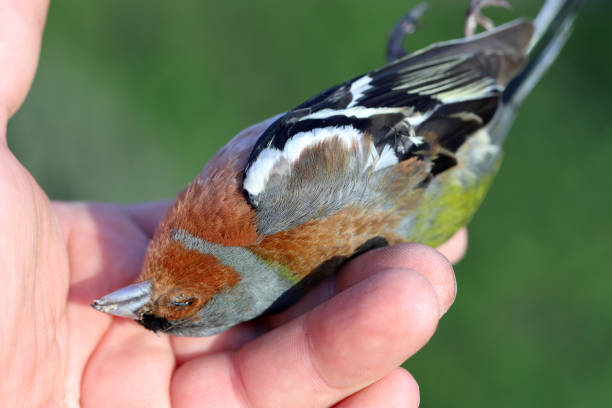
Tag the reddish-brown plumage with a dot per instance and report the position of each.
(213, 207)
(178, 273)
(401, 186)
(306, 247)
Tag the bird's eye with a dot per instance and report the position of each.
(181, 301)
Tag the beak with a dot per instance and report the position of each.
(126, 301)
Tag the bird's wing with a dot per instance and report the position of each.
(320, 156)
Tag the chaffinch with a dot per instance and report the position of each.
(402, 153)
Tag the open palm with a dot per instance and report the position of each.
(342, 344)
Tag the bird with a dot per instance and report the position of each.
(404, 153)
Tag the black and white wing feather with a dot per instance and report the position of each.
(438, 96)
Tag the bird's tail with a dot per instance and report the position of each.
(553, 25)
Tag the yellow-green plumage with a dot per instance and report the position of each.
(450, 208)
(453, 196)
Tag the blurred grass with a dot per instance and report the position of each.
(132, 98)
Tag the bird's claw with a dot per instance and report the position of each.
(404, 27)
(475, 17)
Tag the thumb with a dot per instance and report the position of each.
(21, 27)
(33, 259)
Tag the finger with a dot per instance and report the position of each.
(454, 249)
(420, 258)
(129, 368)
(345, 344)
(148, 215)
(188, 348)
(21, 26)
(105, 248)
(342, 346)
(398, 389)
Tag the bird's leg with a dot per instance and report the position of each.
(475, 18)
(404, 27)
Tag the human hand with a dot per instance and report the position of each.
(343, 342)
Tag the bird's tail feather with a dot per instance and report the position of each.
(553, 25)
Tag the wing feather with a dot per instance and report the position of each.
(422, 107)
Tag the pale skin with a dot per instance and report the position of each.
(342, 345)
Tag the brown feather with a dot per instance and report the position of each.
(213, 207)
(306, 247)
(187, 274)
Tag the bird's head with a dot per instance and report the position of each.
(191, 282)
(175, 285)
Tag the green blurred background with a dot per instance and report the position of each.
(133, 97)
